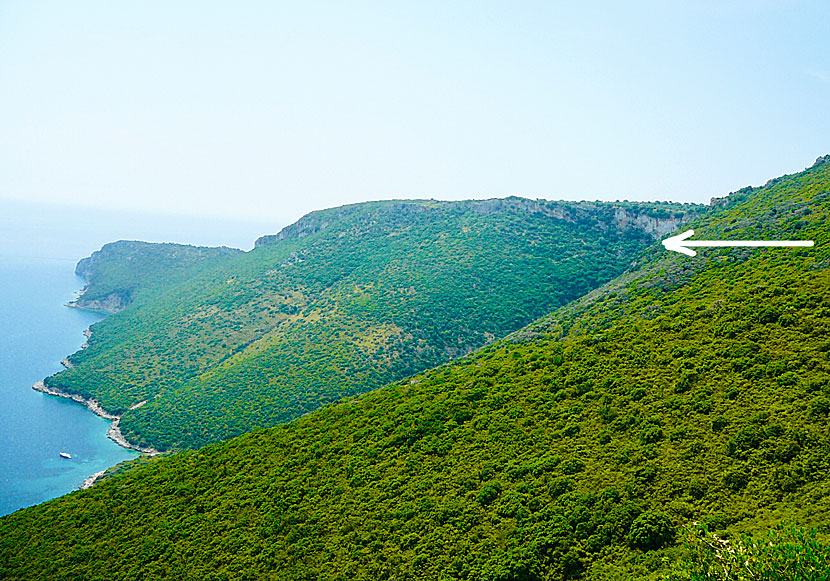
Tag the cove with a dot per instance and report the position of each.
(37, 332)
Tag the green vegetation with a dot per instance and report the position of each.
(343, 302)
(123, 269)
(689, 390)
(783, 554)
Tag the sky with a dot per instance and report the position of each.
(32, 231)
(264, 110)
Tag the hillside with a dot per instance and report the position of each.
(340, 303)
(688, 389)
(120, 270)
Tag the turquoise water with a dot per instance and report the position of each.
(37, 332)
(39, 246)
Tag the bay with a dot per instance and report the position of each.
(39, 247)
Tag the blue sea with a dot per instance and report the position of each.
(38, 330)
(39, 248)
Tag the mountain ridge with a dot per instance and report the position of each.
(343, 301)
(318, 220)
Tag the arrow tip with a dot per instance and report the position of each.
(675, 243)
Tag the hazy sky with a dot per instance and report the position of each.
(267, 110)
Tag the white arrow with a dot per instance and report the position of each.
(680, 244)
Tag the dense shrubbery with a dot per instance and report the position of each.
(651, 530)
(574, 449)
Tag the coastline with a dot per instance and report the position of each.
(91, 480)
(91, 404)
(114, 432)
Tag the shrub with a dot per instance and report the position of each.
(489, 491)
(645, 474)
(560, 486)
(651, 530)
(651, 434)
(697, 489)
(573, 466)
(820, 407)
(736, 479)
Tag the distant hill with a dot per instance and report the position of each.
(121, 269)
(686, 390)
(212, 343)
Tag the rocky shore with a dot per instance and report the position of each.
(91, 404)
(114, 431)
(92, 480)
(114, 434)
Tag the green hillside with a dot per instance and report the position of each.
(341, 303)
(122, 270)
(691, 389)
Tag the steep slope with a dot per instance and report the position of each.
(340, 303)
(691, 389)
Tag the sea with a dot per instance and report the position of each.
(39, 247)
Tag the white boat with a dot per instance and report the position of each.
(65, 455)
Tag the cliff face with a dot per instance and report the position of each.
(657, 227)
(109, 303)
